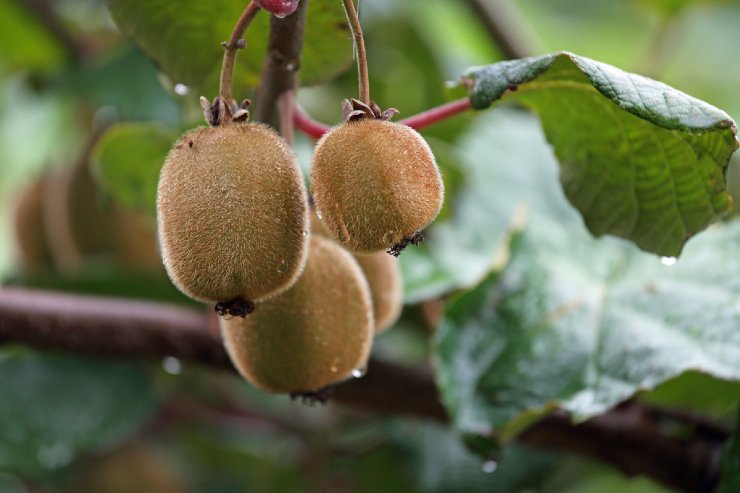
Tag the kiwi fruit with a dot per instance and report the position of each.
(375, 183)
(383, 277)
(232, 214)
(80, 227)
(315, 334)
(138, 467)
(32, 249)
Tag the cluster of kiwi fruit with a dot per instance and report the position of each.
(298, 309)
(300, 294)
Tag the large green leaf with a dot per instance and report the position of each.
(582, 323)
(127, 160)
(52, 407)
(639, 159)
(184, 38)
(461, 249)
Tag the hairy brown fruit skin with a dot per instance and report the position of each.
(375, 183)
(232, 214)
(313, 335)
(384, 278)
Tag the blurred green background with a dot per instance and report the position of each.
(81, 425)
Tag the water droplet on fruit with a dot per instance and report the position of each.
(359, 372)
(388, 237)
(283, 267)
(181, 89)
(489, 466)
(335, 365)
(668, 261)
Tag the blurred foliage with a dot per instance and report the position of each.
(78, 95)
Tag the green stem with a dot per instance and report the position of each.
(231, 48)
(354, 24)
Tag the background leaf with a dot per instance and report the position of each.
(583, 323)
(184, 38)
(639, 159)
(54, 406)
(127, 160)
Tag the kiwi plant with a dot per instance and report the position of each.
(298, 314)
(317, 333)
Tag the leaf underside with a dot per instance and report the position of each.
(638, 159)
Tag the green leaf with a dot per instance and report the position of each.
(461, 249)
(581, 323)
(639, 159)
(53, 407)
(184, 38)
(127, 160)
(731, 463)
(25, 43)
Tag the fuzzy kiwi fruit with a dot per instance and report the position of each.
(80, 227)
(232, 214)
(375, 184)
(32, 248)
(383, 276)
(315, 334)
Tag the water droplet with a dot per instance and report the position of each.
(335, 365)
(181, 89)
(291, 67)
(489, 466)
(359, 372)
(172, 365)
(668, 261)
(304, 233)
(388, 237)
(283, 267)
(318, 213)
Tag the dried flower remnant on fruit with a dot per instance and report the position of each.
(313, 335)
(232, 214)
(375, 183)
(321, 396)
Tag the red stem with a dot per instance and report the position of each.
(316, 129)
(438, 114)
(308, 125)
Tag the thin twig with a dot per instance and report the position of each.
(356, 27)
(282, 63)
(438, 114)
(231, 49)
(303, 122)
(316, 129)
(629, 437)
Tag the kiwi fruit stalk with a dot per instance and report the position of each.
(383, 276)
(375, 183)
(316, 334)
(231, 213)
